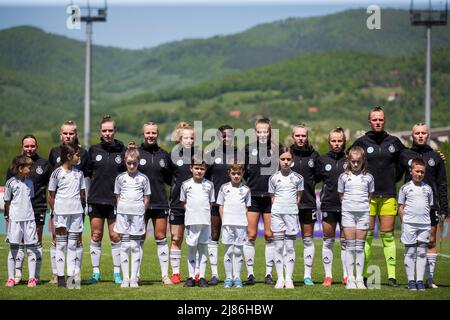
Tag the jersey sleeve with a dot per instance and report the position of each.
(147, 188)
(341, 183)
(82, 181)
(30, 185)
(183, 193)
(272, 185)
(371, 184)
(220, 196)
(248, 199)
(212, 197)
(8, 191)
(300, 184)
(401, 195)
(441, 182)
(117, 185)
(53, 183)
(430, 196)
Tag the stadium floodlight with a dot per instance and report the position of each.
(89, 14)
(428, 13)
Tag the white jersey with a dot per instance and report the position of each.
(19, 193)
(285, 189)
(67, 186)
(417, 201)
(131, 191)
(235, 201)
(356, 190)
(198, 198)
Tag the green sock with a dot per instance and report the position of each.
(368, 251)
(389, 252)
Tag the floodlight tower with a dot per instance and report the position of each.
(428, 16)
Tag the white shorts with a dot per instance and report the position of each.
(412, 233)
(355, 219)
(22, 230)
(287, 223)
(198, 234)
(131, 224)
(72, 222)
(236, 235)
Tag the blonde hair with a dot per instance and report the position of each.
(377, 108)
(357, 150)
(132, 153)
(338, 130)
(301, 125)
(150, 123)
(69, 123)
(178, 132)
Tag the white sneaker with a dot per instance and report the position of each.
(134, 283)
(17, 278)
(125, 283)
(77, 277)
(360, 283)
(279, 284)
(289, 284)
(54, 279)
(351, 283)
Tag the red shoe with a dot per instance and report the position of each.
(32, 282)
(327, 282)
(10, 283)
(197, 277)
(176, 278)
(344, 281)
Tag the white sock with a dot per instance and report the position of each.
(115, 251)
(228, 261)
(141, 252)
(308, 255)
(431, 265)
(79, 259)
(278, 239)
(135, 257)
(19, 259)
(32, 257)
(61, 245)
(72, 254)
(421, 261)
(360, 256)
(327, 256)
(175, 258)
(192, 252)
(270, 256)
(38, 246)
(203, 255)
(410, 257)
(289, 259)
(125, 247)
(53, 258)
(197, 263)
(96, 253)
(249, 254)
(238, 261)
(12, 255)
(163, 256)
(343, 246)
(213, 252)
(350, 254)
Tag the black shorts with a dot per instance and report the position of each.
(331, 216)
(307, 216)
(39, 217)
(156, 214)
(434, 217)
(215, 210)
(261, 205)
(104, 211)
(176, 216)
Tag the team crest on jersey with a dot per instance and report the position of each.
(311, 163)
(431, 163)
(218, 160)
(391, 148)
(180, 163)
(328, 167)
(118, 159)
(142, 162)
(325, 214)
(254, 152)
(409, 162)
(39, 170)
(58, 160)
(99, 157)
(206, 187)
(162, 164)
(369, 149)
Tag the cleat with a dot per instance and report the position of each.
(117, 278)
(289, 284)
(392, 282)
(202, 283)
(360, 284)
(237, 283)
(268, 279)
(411, 285)
(344, 281)
(430, 285)
(77, 277)
(308, 281)
(10, 283)
(134, 283)
(54, 279)
(17, 278)
(95, 278)
(214, 281)
(279, 284)
(197, 277)
(251, 280)
(125, 283)
(165, 280)
(365, 281)
(351, 283)
(228, 283)
(61, 282)
(420, 286)
(190, 282)
(176, 278)
(327, 282)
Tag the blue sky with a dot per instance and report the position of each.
(136, 24)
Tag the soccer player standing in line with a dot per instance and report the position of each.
(436, 178)
(382, 151)
(105, 163)
(234, 198)
(132, 190)
(306, 163)
(19, 215)
(217, 172)
(285, 188)
(415, 199)
(40, 175)
(355, 187)
(196, 195)
(332, 164)
(67, 200)
(68, 133)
